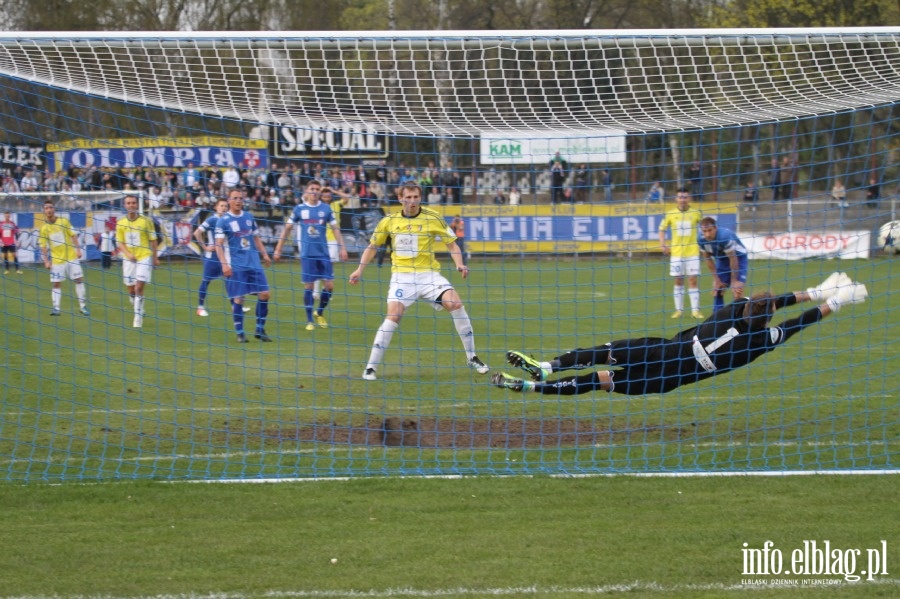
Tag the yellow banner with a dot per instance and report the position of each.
(158, 142)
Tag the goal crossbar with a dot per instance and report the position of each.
(466, 83)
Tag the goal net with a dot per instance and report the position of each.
(559, 152)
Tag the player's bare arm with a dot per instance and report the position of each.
(262, 251)
(364, 260)
(288, 226)
(457, 257)
(220, 252)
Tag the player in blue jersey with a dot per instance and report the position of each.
(313, 218)
(239, 249)
(726, 258)
(212, 268)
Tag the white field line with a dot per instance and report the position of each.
(323, 448)
(530, 591)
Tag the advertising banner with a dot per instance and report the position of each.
(809, 244)
(540, 147)
(161, 152)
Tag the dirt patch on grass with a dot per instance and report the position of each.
(477, 433)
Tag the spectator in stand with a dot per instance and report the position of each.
(155, 200)
(751, 195)
(499, 198)
(305, 176)
(582, 187)
(695, 176)
(231, 179)
(568, 195)
(775, 180)
(273, 203)
(514, 196)
(559, 170)
(839, 194)
(95, 180)
(873, 193)
(656, 194)
(787, 178)
(106, 241)
(30, 183)
(434, 197)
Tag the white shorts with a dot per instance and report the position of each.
(407, 287)
(334, 251)
(681, 267)
(137, 271)
(71, 270)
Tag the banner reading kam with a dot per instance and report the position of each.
(159, 152)
(540, 147)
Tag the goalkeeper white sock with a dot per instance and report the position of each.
(382, 341)
(81, 293)
(463, 325)
(679, 297)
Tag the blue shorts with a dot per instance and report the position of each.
(212, 269)
(246, 282)
(723, 270)
(316, 269)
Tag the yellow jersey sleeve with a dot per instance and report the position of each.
(137, 236)
(57, 239)
(683, 227)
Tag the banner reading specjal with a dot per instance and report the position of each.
(846, 245)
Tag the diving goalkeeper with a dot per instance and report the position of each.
(732, 337)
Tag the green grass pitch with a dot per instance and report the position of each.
(92, 400)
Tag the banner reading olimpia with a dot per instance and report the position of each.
(158, 152)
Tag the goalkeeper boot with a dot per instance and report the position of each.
(506, 381)
(477, 365)
(529, 365)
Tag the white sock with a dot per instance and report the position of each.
(56, 297)
(694, 295)
(464, 327)
(138, 305)
(679, 297)
(81, 293)
(381, 343)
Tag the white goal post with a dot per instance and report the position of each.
(464, 83)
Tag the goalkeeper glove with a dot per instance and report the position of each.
(830, 286)
(852, 294)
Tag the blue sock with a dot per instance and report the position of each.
(237, 313)
(204, 285)
(719, 300)
(308, 303)
(323, 300)
(262, 310)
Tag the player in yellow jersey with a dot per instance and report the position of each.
(684, 251)
(62, 257)
(136, 240)
(413, 233)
